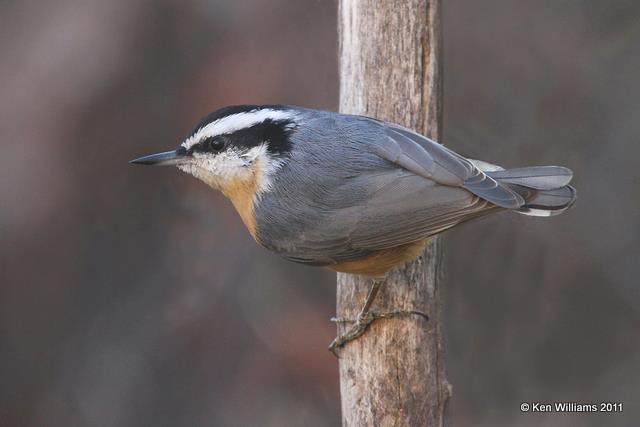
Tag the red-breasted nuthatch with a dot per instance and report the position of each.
(351, 193)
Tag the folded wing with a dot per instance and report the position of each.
(431, 160)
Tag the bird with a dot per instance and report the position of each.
(351, 193)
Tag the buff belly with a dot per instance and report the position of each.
(380, 262)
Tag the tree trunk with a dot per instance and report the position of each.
(390, 62)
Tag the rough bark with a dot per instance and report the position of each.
(390, 69)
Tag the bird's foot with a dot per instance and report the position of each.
(362, 322)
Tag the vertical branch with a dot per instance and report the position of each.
(390, 69)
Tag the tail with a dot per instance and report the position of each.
(545, 189)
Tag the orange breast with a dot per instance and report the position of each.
(242, 193)
(242, 199)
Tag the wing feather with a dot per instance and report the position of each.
(444, 166)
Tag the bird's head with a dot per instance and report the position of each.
(234, 147)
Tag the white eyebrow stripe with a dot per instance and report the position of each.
(235, 122)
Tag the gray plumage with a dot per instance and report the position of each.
(354, 185)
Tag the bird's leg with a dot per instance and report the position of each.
(363, 320)
(366, 317)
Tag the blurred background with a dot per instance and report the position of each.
(135, 297)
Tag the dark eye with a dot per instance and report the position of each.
(213, 144)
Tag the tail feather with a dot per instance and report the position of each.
(547, 202)
(545, 189)
(538, 177)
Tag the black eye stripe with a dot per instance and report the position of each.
(211, 144)
(274, 134)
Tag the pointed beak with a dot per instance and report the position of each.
(168, 158)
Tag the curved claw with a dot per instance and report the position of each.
(362, 323)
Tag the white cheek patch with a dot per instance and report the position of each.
(217, 170)
(221, 170)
